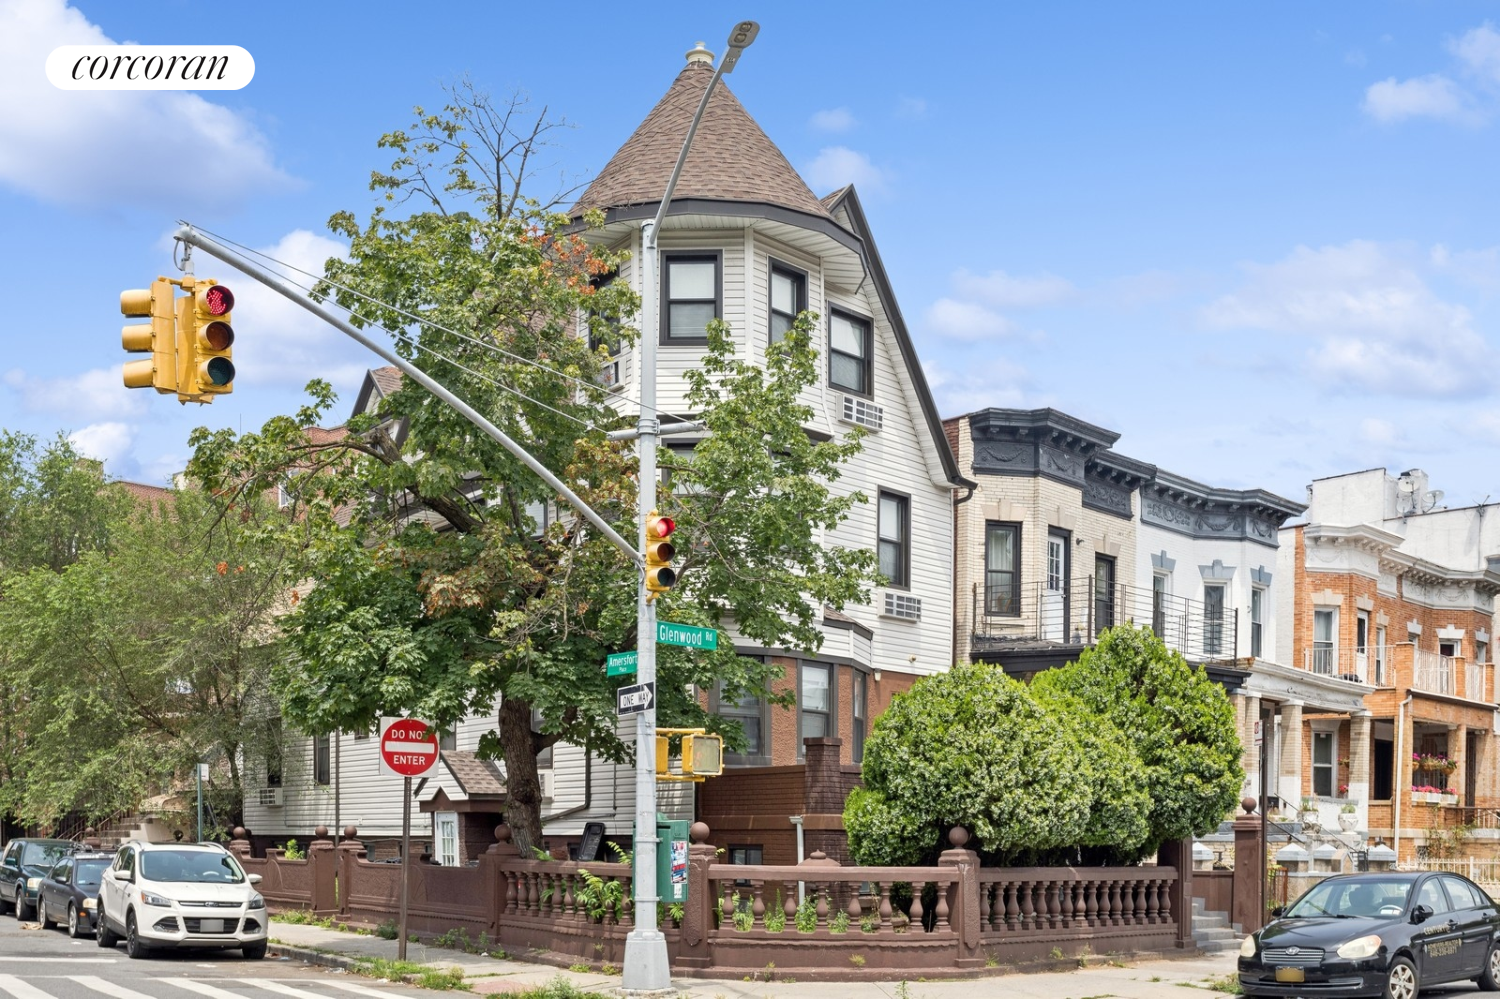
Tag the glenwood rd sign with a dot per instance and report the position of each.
(408, 747)
(686, 635)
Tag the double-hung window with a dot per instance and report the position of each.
(692, 293)
(850, 347)
(1002, 570)
(604, 333)
(788, 299)
(1380, 655)
(322, 760)
(1324, 659)
(859, 701)
(1322, 764)
(1257, 621)
(816, 702)
(750, 712)
(895, 538)
(1213, 619)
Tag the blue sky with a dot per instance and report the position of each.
(1259, 240)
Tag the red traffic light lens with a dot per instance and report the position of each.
(661, 527)
(218, 300)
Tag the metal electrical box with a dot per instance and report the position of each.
(671, 860)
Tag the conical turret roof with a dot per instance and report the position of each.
(732, 159)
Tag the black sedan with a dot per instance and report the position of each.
(1383, 935)
(23, 865)
(70, 892)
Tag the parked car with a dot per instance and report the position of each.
(70, 892)
(180, 895)
(23, 865)
(1389, 935)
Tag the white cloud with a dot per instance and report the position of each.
(96, 394)
(1433, 96)
(1373, 321)
(961, 320)
(1478, 49)
(1373, 430)
(833, 120)
(836, 166)
(1009, 291)
(153, 148)
(993, 383)
(1479, 268)
(1354, 57)
(106, 442)
(279, 341)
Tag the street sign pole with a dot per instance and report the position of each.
(405, 864)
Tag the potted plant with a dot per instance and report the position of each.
(1308, 814)
(1348, 816)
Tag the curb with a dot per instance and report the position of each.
(311, 956)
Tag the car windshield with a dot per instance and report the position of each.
(90, 872)
(196, 866)
(43, 854)
(1354, 899)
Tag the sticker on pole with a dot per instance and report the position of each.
(408, 748)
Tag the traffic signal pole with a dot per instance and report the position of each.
(190, 236)
(647, 969)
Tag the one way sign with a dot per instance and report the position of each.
(637, 697)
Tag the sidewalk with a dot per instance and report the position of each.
(1146, 980)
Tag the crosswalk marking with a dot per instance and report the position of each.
(358, 990)
(20, 990)
(281, 989)
(201, 988)
(108, 988)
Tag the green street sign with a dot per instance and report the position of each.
(686, 635)
(619, 664)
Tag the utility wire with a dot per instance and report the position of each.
(483, 344)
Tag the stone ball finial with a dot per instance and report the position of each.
(1248, 804)
(502, 833)
(241, 833)
(88, 832)
(321, 832)
(350, 832)
(698, 832)
(958, 836)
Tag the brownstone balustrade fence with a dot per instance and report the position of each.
(815, 920)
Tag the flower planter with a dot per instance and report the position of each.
(1347, 820)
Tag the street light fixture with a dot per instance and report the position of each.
(647, 969)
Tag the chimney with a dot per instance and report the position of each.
(698, 53)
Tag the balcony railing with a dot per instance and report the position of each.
(1361, 664)
(1439, 674)
(1078, 613)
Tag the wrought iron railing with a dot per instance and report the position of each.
(1078, 612)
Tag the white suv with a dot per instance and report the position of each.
(180, 895)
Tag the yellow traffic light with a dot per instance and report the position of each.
(158, 337)
(660, 576)
(205, 340)
(702, 755)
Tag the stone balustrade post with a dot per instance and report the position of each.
(1248, 893)
(324, 868)
(239, 843)
(698, 914)
(963, 898)
(349, 850)
(494, 877)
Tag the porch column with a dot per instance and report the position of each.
(1458, 749)
(1359, 764)
(1248, 706)
(1289, 781)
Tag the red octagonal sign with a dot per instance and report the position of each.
(409, 747)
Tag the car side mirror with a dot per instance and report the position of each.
(1421, 914)
(119, 875)
(253, 878)
(1276, 912)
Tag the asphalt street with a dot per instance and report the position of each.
(45, 964)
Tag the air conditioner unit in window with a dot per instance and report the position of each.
(862, 413)
(270, 797)
(548, 783)
(901, 606)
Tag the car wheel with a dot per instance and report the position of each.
(41, 915)
(1401, 980)
(254, 952)
(136, 950)
(104, 936)
(1490, 979)
(73, 930)
(23, 911)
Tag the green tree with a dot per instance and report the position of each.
(439, 589)
(134, 663)
(1179, 722)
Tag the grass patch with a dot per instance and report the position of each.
(558, 988)
(418, 974)
(304, 917)
(1227, 984)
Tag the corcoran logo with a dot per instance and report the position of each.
(150, 67)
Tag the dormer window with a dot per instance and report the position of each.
(692, 296)
(788, 299)
(850, 348)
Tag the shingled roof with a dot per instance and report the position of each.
(731, 158)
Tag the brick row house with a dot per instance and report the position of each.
(1395, 593)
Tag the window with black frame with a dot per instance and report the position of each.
(850, 347)
(815, 702)
(1002, 570)
(859, 704)
(788, 299)
(895, 538)
(322, 760)
(604, 332)
(690, 289)
(750, 712)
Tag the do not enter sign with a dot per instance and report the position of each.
(408, 748)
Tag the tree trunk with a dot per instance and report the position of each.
(523, 789)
